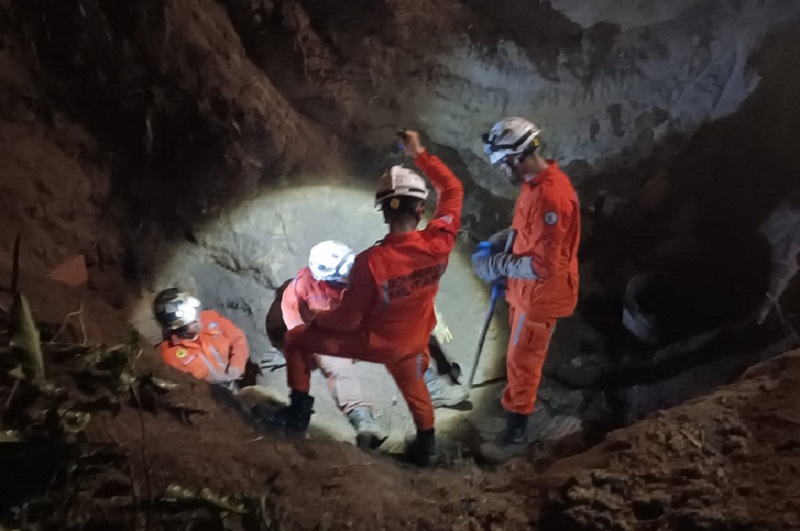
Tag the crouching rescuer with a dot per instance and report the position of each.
(541, 269)
(201, 342)
(387, 314)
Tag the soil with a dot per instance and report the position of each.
(726, 461)
(136, 446)
(729, 460)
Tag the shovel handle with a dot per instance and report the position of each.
(488, 320)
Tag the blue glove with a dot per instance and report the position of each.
(484, 249)
(494, 267)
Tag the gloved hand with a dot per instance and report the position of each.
(492, 268)
(484, 249)
(498, 240)
(442, 333)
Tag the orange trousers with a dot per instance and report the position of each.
(407, 370)
(527, 350)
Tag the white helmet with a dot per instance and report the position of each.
(510, 136)
(330, 260)
(175, 309)
(400, 182)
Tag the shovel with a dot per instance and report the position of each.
(497, 290)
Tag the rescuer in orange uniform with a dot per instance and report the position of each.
(387, 314)
(541, 270)
(202, 343)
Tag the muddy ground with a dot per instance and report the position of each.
(129, 444)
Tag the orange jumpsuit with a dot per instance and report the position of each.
(548, 226)
(386, 316)
(320, 296)
(219, 344)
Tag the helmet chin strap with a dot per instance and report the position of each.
(512, 164)
(511, 172)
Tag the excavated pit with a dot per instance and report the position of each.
(211, 144)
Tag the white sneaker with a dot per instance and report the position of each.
(442, 394)
(368, 431)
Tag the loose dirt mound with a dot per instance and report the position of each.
(727, 461)
(118, 441)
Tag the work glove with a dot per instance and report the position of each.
(493, 268)
(441, 332)
(485, 249)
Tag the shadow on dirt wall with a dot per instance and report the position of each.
(697, 229)
(103, 63)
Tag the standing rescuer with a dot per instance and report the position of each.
(200, 342)
(387, 314)
(541, 269)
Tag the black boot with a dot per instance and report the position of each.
(298, 414)
(422, 450)
(511, 442)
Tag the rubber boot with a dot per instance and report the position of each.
(422, 450)
(368, 433)
(511, 442)
(298, 414)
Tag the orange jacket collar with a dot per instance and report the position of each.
(176, 340)
(545, 173)
(401, 238)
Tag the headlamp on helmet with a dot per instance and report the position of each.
(174, 309)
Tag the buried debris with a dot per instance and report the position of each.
(177, 494)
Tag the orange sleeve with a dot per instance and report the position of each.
(290, 306)
(168, 354)
(449, 190)
(551, 220)
(237, 340)
(356, 301)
